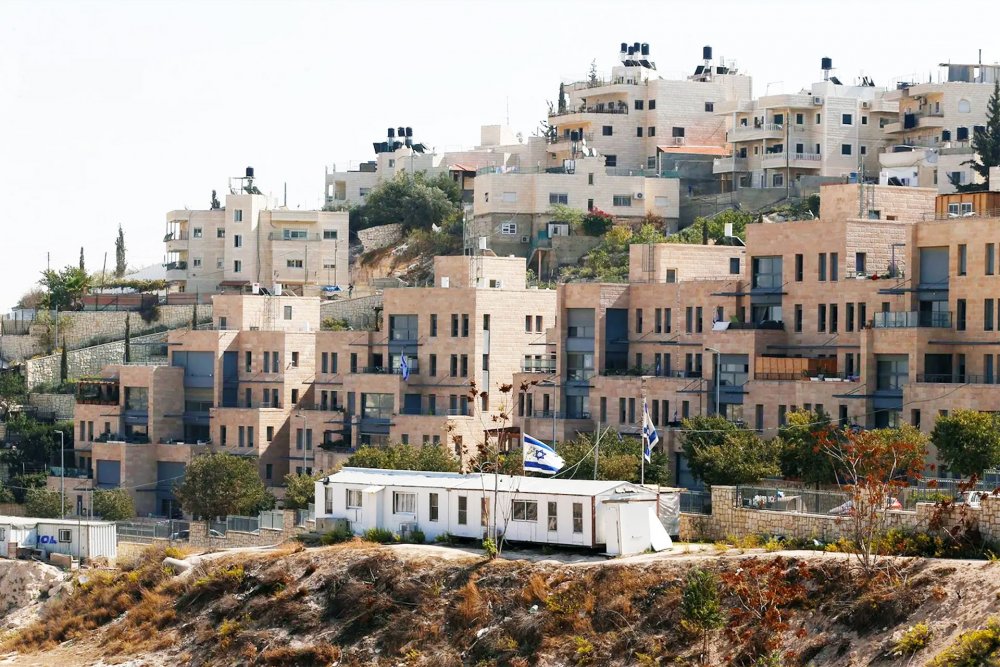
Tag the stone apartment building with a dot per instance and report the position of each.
(829, 130)
(878, 313)
(931, 139)
(266, 383)
(248, 242)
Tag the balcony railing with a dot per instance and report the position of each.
(538, 367)
(78, 473)
(176, 266)
(385, 370)
(903, 320)
(587, 136)
(773, 325)
(175, 236)
(954, 378)
(600, 108)
(120, 437)
(807, 376)
(555, 414)
(581, 374)
(278, 236)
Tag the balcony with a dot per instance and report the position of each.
(915, 121)
(620, 109)
(912, 319)
(279, 236)
(176, 241)
(552, 414)
(756, 132)
(97, 392)
(580, 374)
(954, 378)
(122, 438)
(539, 366)
(793, 160)
(76, 473)
(563, 139)
(726, 165)
(385, 370)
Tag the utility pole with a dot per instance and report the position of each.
(62, 474)
(597, 448)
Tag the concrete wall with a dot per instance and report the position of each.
(360, 313)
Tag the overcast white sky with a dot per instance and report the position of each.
(117, 112)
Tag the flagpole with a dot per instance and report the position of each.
(642, 456)
(597, 447)
(645, 436)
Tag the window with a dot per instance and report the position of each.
(295, 359)
(465, 325)
(404, 503)
(237, 266)
(821, 318)
(606, 130)
(834, 271)
(578, 517)
(354, 498)
(800, 118)
(765, 272)
(652, 104)
(463, 510)
(777, 180)
(962, 257)
(196, 262)
(892, 371)
(734, 265)
(509, 197)
(237, 240)
(524, 510)
(638, 105)
(988, 315)
(709, 107)
(990, 259)
(621, 200)
(558, 198)
(822, 266)
(798, 318)
(638, 131)
(964, 106)
(294, 263)
(509, 228)
(638, 320)
(677, 132)
(270, 433)
(295, 396)
(833, 318)
(819, 118)
(671, 276)
(220, 232)
(553, 516)
(845, 149)
(454, 325)
(847, 119)
(64, 535)
(860, 263)
(864, 150)
(196, 233)
(329, 234)
(960, 314)
(433, 365)
(651, 132)
(238, 215)
(434, 325)
(433, 513)
(610, 160)
(288, 312)
(219, 263)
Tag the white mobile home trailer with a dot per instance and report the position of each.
(79, 539)
(619, 517)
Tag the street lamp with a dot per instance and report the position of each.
(62, 473)
(718, 367)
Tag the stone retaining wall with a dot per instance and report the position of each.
(200, 540)
(374, 238)
(360, 312)
(60, 405)
(729, 520)
(91, 360)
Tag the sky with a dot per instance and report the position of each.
(118, 112)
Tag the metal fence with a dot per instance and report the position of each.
(802, 501)
(696, 502)
(243, 524)
(144, 531)
(302, 516)
(273, 520)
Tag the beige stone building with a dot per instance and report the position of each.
(931, 139)
(248, 242)
(878, 313)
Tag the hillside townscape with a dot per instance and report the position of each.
(687, 374)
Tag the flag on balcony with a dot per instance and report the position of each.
(404, 368)
(540, 457)
(649, 434)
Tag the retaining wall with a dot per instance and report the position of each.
(60, 405)
(374, 238)
(91, 360)
(359, 312)
(729, 520)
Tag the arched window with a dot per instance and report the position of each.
(964, 106)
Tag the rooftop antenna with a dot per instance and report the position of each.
(508, 111)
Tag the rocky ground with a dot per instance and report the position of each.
(364, 604)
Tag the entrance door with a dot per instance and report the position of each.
(612, 527)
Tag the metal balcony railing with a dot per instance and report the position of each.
(909, 319)
(954, 378)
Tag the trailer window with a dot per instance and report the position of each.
(524, 510)
(354, 499)
(463, 510)
(404, 503)
(434, 507)
(553, 518)
(577, 517)
(64, 535)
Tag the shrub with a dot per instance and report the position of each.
(445, 538)
(416, 537)
(490, 547)
(973, 648)
(915, 638)
(379, 536)
(335, 536)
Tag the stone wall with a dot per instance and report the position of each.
(91, 360)
(359, 312)
(200, 540)
(59, 405)
(83, 329)
(729, 520)
(374, 238)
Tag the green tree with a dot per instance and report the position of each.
(597, 222)
(12, 391)
(128, 338)
(113, 504)
(409, 200)
(713, 228)
(618, 458)
(592, 80)
(801, 441)
(216, 485)
(562, 97)
(63, 363)
(194, 315)
(300, 490)
(986, 144)
(701, 609)
(65, 289)
(719, 452)
(608, 262)
(37, 444)
(968, 441)
(120, 264)
(83, 266)
(433, 457)
(42, 503)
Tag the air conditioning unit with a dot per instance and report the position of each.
(678, 141)
(525, 239)
(638, 195)
(818, 101)
(866, 105)
(407, 529)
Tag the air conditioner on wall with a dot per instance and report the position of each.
(638, 195)
(525, 239)
(406, 529)
(678, 141)
(818, 101)
(866, 105)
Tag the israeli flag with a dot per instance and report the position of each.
(539, 457)
(649, 434)
(404, 368)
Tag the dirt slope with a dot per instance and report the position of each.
(361, 604)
